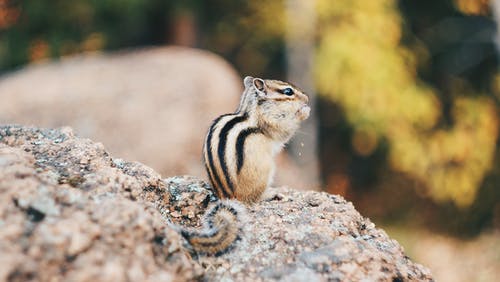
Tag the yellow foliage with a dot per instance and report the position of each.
(473, 7)
(452, 162)
(94, 42)
(266, 17)
(361, 66)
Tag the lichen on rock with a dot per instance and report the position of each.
(70, 211)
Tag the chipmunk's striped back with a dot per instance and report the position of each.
(223, 146)
(239, 147)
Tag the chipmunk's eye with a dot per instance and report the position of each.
(287, 91)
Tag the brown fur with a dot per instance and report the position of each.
(256, 172)
(274, 118)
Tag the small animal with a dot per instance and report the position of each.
(239, 153)
(240, 147)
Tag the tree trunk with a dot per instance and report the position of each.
(301, 22)
(495, 7)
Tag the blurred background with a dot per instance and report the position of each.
(406, 97)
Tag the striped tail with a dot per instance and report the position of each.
(222, 229)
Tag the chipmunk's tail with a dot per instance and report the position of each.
(221, 230)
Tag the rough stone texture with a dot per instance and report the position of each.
(151, 105)
(299, 236)
(69, 211)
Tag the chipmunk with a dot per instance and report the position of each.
(239, 148)
(239, 153)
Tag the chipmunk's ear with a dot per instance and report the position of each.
(257, 83)
(260, 86)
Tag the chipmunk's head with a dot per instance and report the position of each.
(280, 106)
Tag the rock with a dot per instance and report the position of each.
(70, 211)
(286, 240)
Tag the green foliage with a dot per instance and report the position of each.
(54, 28)
(248, 33)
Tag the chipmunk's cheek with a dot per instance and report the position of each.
(303, 112)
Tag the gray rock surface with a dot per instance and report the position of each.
(69, 211)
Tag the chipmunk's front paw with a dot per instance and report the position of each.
(304, 112)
